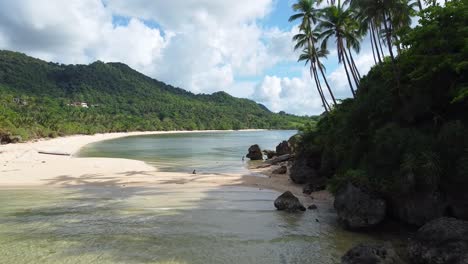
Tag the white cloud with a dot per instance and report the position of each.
(293, 95)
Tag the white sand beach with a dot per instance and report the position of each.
(22, 165)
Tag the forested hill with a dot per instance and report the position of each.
(40, 99)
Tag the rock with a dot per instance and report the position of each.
(444, 240)
(280, 170)
(301, 173)
(269, 153)
(371, 254)
(418, 208)
(255, 153)
(358, 209)
(312, 207)
(288, 202)
(283, 148)
(294, 142)
(7, 138)
(280, 159)
(310, 188)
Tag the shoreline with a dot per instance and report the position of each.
(22, 166)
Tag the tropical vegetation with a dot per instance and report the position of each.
(406, 129)
(44, 99)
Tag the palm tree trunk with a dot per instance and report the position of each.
(319, 84)
(326, 82)
(373, 49)
(312, 74)
(388, 35)
(356, 80)
(354, 64)
(373, 33)
(346, 70)
(420, 5)
(380, 43)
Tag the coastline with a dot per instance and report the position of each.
(22, 166)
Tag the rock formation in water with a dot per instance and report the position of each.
(283, 148)
(371, 254)
(444, 240)
(288, 202)
(255, 153)
(358, 209)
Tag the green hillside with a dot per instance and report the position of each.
(36, 96)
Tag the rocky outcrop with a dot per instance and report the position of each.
(269, 153)
(418, 208)
(7, 138)
(280, 170)
(359, 209)
(444, 240)
(294, 142)
(371, 254)
(288, 202)
(255, 153)
(301, 172)
(283, 148)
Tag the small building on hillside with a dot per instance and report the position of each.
(79, 104)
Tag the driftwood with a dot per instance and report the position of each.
(54, 153)
(279, 159)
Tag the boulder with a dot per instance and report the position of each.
(283, 148)
(280, 170)
(312, 207)
(255, 153)
(301, 173)
(269, 153)
(371, 254)
(418, 208)
(359, 209)
(294, 142)
(288, 202)
(444, 240)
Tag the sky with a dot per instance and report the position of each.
(242, 47)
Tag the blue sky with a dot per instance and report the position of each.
(242, 47)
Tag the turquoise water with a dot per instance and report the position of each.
(208, 152)
(149, 225)
(170, 223)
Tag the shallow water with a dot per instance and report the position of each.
(138, 225)
(170, 223)
(207, 152)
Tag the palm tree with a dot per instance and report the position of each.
(308, 55)
(306, 40)
(335, 23)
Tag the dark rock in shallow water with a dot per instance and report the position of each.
(255, 153)
(418, 208)
(444, 240)
(280, 170)
(270, 153)
(371, 254)
(312, 207)
(283, 148)
(359, 209)
(301, 173)
(288, 202)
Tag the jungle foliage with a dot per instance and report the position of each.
(407, 134)
(35, 97)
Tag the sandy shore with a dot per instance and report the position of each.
(22, 165)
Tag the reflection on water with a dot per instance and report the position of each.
(177, 225)
(210, 152)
